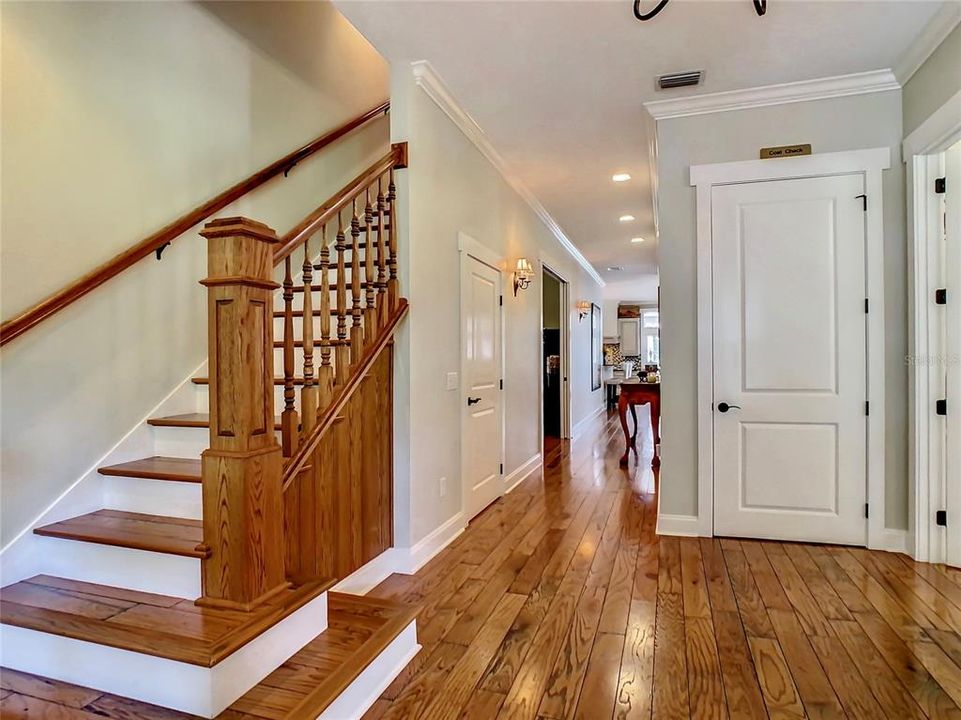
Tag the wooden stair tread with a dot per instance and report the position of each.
(158, 625)
(191, 420)
(158, 467)
(138, 531)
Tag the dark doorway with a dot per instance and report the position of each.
(552, 363)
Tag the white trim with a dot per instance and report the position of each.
(679, 525)
(423, 551)
(430, 82)
(894, 540)
(938, 132)
(374, 572)
(363, 691)
(581, 424)
(566, 317)
(522, 472)
(934, 33)
(822, 88)
(204, 691)
(868, 162)
(467, 244)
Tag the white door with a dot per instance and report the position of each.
(482, 441)
(952, 354)
(790, 359)
(630, 331)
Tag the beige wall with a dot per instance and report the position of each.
(116, 118)
(935, 81)
(451, 188)
(848, 123)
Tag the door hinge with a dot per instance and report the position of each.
(941, 518)
(502, 383)
(864, 201)
(501, 301)
(866, 306)
(867, 407)
(502, 468)
(866, 514)
(941, 296)
(939, 185)
(941, 407)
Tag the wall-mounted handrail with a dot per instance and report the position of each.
(51, 305)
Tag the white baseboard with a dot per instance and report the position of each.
(583, 422)
(521, 473)
(894, 540)
(680, 525)
(422, 552)
(357, 698)
(364, 579)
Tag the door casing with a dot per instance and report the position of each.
(565, 357)
(870, 163)
(470, 248)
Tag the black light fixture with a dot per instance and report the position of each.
(760, 6)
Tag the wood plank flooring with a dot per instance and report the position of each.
(559, 601)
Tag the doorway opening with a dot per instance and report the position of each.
(554, 320)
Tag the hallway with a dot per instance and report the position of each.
(559, 601)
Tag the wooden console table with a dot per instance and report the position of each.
(633, 393)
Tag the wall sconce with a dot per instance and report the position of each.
(523, 274)
(583, 309)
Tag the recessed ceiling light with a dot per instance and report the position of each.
(637, 240)
(615, 268)
(626, 218)
(621, 177)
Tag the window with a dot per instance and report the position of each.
(650, 337)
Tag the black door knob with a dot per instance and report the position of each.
(473, 401)
(724, 407)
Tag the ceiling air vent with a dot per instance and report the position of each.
(679, 79)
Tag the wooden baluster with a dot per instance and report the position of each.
(381, 254)
(342, 353)
(392, 290)
(326, 371)
(243, 522)
(308, 394)
(288, 419)
(370, 317)
(356, 330)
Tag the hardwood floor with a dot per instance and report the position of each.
(559, 601)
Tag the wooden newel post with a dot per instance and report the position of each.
(242, 490)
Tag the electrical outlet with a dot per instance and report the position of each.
(443, 487)
(452, 381)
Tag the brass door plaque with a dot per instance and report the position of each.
(782, 151)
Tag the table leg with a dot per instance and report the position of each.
(655, 428)
(634, 434)
(622, 412)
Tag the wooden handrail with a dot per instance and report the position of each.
(397, 157)
(299, 459)
(53, 304)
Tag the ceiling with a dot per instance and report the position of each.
(559, 87)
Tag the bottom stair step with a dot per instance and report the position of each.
(367, 642)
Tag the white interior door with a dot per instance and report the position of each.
(482, 441)
(790, 359)
(952, 355)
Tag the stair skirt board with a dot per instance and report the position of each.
(358, 697)
(169, 683)
(144, 570)
(176, 499)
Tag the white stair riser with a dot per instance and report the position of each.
(119, 566)
(203, 392)
(156, 497)
(184, 442)
(189, 688)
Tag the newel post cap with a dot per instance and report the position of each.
(239, 227)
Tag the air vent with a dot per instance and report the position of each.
(680, 79)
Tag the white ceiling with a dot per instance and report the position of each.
(559, 87)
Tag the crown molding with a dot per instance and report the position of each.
(801, 91)
(429, 81)
(934, 33)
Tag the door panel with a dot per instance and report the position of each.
(482, 441)
(789, 355)
(952, 347)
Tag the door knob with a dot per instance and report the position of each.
(472, 401)
(724, 407)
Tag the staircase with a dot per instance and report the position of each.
(207, 568)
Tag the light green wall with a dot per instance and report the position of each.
(848, 123)
(938, 79)
(552, 303)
